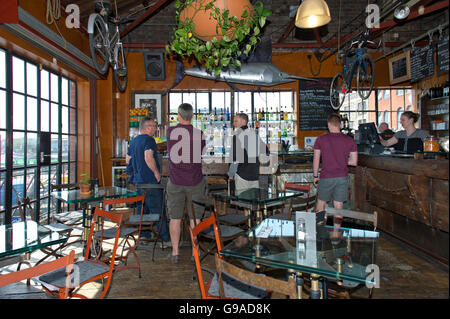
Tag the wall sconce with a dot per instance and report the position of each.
(312, 14)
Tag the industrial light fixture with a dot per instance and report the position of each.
(401, 12)
(312, 14)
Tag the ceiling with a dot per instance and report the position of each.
(152, 23)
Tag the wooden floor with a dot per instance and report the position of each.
(405, 274)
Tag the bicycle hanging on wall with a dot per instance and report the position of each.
(361, 64)
(105, 44)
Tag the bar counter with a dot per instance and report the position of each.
(410, 196)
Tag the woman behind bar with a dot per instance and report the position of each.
(409, 140)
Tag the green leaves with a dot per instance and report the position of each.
(239, 35)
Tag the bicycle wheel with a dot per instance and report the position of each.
(365, 76)
(98, 43)
(337, 91)
(120, 68)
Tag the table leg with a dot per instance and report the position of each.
(300, 282)
(315, 291)
(323, 285)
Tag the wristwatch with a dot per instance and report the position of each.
(316, 176)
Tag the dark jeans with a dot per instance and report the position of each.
(154, 204)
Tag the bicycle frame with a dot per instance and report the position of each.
(350, 73)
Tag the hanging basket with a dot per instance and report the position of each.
(205, 25)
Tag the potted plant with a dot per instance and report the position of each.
(217, 32)
(85, 185)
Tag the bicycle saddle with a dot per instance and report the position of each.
(99, 5)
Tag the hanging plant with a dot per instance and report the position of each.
(217, 32)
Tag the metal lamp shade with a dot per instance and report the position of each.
(312, 14)
(401, 12)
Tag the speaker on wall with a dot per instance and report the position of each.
(154, 66)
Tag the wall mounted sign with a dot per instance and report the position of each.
(422, 63)
(315, 104)
(400, 68)
(151, 100)
(442, 55)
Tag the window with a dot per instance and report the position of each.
(42, 104)
(399, 113)
(385, 94)
(399, 92)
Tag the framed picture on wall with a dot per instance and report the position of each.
(151, 100)
(400, 68)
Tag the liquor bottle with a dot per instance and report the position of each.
(228, 114)
(259, 115)
(276, 117)
(211, 117)
(286, 115)
(215, 114)
(267, 114)
(221, 115)
(263, 115)
(281, 114)
(285, 132)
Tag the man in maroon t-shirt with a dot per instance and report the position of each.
(185, 144)
(337, 151)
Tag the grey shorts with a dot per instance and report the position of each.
(333, 188)
(178, 196)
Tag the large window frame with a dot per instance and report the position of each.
(34, 100)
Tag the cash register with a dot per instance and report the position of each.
(368, 140)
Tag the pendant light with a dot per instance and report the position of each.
(401, 12)
(312, 14)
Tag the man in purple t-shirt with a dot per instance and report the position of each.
(184, 145)
(337, 151)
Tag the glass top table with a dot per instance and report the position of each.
(75, 196)
(258, 196)
(23, 237)
(337, 253)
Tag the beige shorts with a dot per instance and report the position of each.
(178, 196)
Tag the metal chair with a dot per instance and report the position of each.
(126, 233)
(91, 268)
(24, 205)
(64, 264)
(295, 203)
(70, 217)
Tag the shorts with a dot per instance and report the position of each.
(336, 188)
(178, 196)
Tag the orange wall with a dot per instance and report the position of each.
(109, 104)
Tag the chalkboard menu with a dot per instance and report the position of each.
(442, 55)
(315, 104)
(422, 63)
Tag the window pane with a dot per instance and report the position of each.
(2, 148)
(18, 112)
(31, 79)
(32, 114)
(18, 75)
(260, 101)
(73, 175)
(2, 109)
(202, 103)
(65, 148)
(54, 88)
(64, 91)
(65, 174)
(18, 149)
(31, 149)
(55, 148)
(175, 99)
(188, 98)
(218, 102)
(2, 188)
(54, 118)
(31, 183)
(2, 69)
(18, 185)
(44, 84)
(45, 122)
(72, 93)
(43, 210)
(44, 186)
(64, 119)
(243, 102)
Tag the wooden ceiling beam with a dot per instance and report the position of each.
(143, 17)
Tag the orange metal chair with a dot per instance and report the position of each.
(63, 262)
(233, 288)
(128, 234)
(91, 268)
(297, 203)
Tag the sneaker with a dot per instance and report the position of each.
(165, 244)
(173, 259)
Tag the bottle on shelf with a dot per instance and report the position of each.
(281, 114)
(276, 117)
(228, 114)
(215, 114)
(259, 115)
(211, 117)
(286, 114)
(221, 115)
(267, 114)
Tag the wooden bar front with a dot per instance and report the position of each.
(410, 197)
